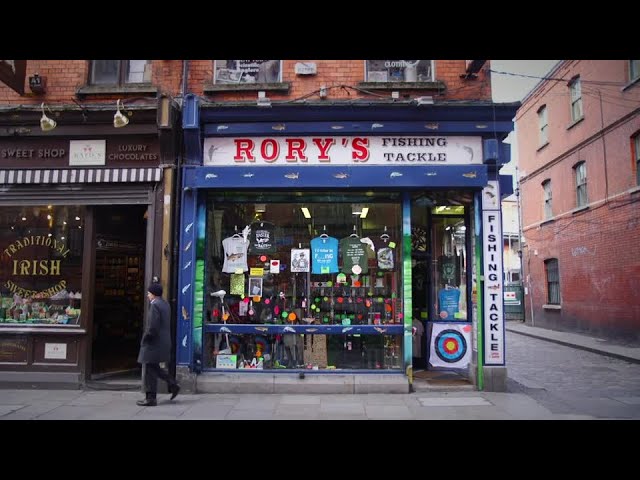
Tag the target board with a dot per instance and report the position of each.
(450, 345)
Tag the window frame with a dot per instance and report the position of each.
(634, 70)
(552, 277)
(575, 98)
(122, 71)
(635, 146)
(216, 81)
(548, 199)
(388, 79)
(580, 177)
(543, 125)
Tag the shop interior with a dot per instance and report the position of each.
(119, 289)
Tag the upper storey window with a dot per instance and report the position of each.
(120, 72)
(247, 71)
(399, 71)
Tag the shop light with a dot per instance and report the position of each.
(365, 210)
(260, 207)
(305, 212)
(356, 209)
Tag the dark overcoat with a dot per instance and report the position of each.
(155, 346)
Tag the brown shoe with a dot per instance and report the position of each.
(147, 402)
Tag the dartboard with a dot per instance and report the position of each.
(450, 345)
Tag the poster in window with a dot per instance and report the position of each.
(255, 287)
(300, 259)
(247, 71)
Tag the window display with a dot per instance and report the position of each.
(303, 293)
(41, 264)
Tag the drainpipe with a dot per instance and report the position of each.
(177, 189)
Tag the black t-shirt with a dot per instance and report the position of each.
(262, 238)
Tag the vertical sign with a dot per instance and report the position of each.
(493, 275)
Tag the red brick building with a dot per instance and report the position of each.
(87, 159)
(579, 148)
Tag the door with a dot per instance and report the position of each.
(119, 297)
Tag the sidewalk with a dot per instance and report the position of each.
(576, 340)
(118, 405)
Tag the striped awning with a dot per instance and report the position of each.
(80, 175)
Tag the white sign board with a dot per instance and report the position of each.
(493, 288)
(55, 351)
(87, 152)
(301, 151)
(226, 361)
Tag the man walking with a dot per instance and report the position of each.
(156, 347)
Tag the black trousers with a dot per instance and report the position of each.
(151, 375)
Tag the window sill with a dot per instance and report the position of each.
(542, 146)
(144, 88)
(42, 328)
(634, 190)
(547, 221)
(251, 87)
(547, 306)
(633, 82)
(579, 209)
(574, 123)
(437, 85)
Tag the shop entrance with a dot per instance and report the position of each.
(119, 290)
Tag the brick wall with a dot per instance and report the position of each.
(598, 249)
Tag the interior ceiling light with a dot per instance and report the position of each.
(305, 212)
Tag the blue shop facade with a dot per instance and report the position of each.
(342, 238)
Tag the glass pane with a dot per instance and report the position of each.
(105, 72)
(299, 260)
(634, 69)
(399, 71)
(138, 71)
(449, 268)
(41, 268)
(248, 71)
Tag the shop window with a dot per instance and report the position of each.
(575, 95)
(449, 266)
(247, 71)
(553, 281)
(41, 266)
(580, 174)
(328, 262)
(399, 71)
(120, 72)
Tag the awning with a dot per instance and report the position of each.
(80, 175)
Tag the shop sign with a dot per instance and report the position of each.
(25, 263)
(87, 152)
(55, 351)
(493, 296)
(300, 151)
(58, 153)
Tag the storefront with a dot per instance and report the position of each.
(82, 232)
(335, 238)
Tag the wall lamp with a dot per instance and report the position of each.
(263, 100)
(46, 124)
(119, 120)
(424, 101)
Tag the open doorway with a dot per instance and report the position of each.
(119, 290)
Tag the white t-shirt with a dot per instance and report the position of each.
(235, 255)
